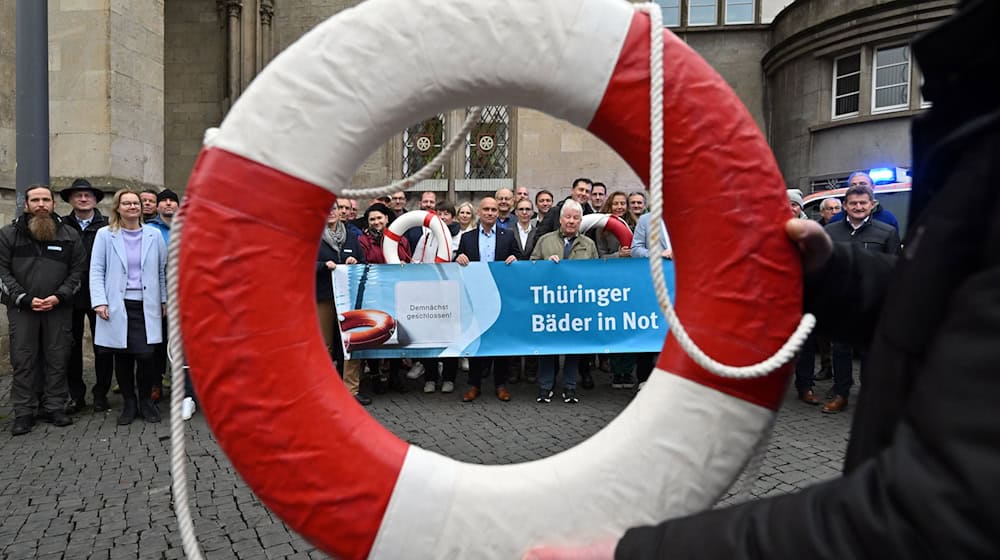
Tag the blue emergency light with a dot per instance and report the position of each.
(882, 175)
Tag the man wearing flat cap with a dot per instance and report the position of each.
(86, 219)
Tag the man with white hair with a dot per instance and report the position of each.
(565, 243)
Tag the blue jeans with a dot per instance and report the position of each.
(547, 366)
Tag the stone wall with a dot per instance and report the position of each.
(195, 71)
(136, 86)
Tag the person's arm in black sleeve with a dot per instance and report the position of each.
(931, 494)
(77, 268)
(15, 292)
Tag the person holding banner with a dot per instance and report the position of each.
(378, 216)
(338, 246)
(565, 243)
(488, 243)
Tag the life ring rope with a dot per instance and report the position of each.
(794, 343)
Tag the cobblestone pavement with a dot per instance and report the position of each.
(94, 490)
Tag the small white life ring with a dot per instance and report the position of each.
(412, 219)
(259, 196)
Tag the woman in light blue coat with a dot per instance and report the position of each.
(128, 289)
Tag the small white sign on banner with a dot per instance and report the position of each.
(428, 314)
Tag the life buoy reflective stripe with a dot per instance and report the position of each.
(326, 467)
(611, 224)
(412, 219)
(380, 325)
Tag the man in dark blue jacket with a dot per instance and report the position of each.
(488, 243)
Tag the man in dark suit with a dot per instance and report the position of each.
(487, 243)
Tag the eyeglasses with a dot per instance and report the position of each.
(524, 209)
(129, 204)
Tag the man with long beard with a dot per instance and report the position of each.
(41, 263)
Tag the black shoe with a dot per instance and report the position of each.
(148, 410)
(569, 396)
(101, 404)
(128, 413)
(823, 374)
(363, 399)
(586, 380)
(22, 425)
(544, 396)
(616, 381)
(59, 418)
(43, 416)
(75, 406)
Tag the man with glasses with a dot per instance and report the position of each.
(829, 208)
(505, 205)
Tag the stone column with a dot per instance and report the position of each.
(234, 11)
(266, 42)
(249, 54)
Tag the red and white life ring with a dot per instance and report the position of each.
(259, 196)
(611, 224)
(379, 327)
(412, 219)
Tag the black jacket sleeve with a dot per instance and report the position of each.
(13, 292)
(932, 493)
(77, 268)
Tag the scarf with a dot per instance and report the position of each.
(335, 237)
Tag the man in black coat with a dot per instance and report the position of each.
(488, 243)
(920, 477)
(86, 219)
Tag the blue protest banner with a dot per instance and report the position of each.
(493, 309)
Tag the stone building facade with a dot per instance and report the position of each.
(134, 84)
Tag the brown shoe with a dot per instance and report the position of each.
(503, 394)
(809, 397)
(835, 405)
(471, 395)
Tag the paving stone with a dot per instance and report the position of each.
(96, 490)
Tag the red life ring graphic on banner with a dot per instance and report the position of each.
(261, 190)
(412, 219)
(380, 325)
(612, 224)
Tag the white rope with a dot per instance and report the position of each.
(178, 458)
(794, 343)
(427, 171)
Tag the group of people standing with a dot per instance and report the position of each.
(58, 272)
(506, 227)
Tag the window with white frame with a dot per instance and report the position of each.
(739, 11)
(846, 85)
(671, 12)
(703, 12)
(891, 83)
